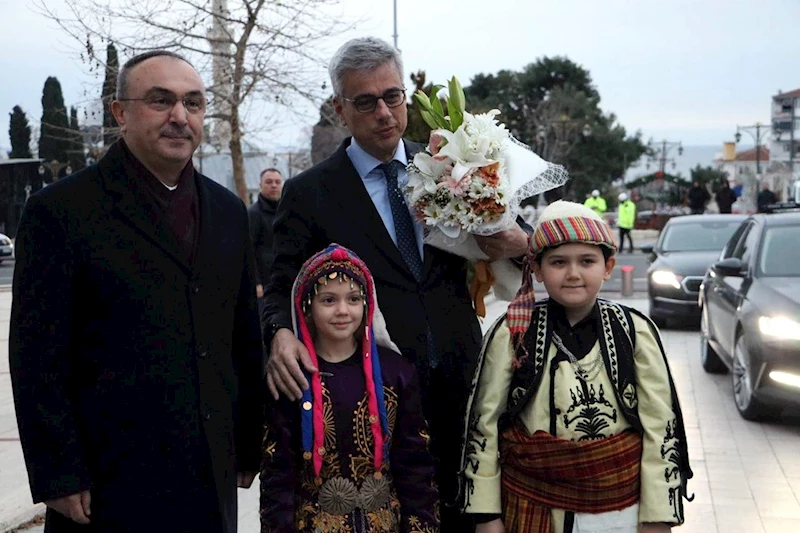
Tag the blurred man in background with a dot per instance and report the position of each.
(697, 198)
(262, 213)
(725, 198)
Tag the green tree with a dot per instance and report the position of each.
(553, 106)
(54, 139)
(601, 157)
(77, 152)
(110, 131)
(517, 95)
(19, 132)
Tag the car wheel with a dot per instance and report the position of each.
(709, 358)
(746, 403)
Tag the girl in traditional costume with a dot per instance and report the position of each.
(352, 456)
(574, 423)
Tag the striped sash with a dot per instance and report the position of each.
(542, 472)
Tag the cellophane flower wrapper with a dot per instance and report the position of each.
(471, 181)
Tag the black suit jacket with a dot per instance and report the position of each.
(329, 203)
(135, 374)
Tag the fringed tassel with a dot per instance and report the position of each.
(520, 311)
(313, 427)
(370, 361)
(379, 396)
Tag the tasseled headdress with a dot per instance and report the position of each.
(338, 264)
(560, 223)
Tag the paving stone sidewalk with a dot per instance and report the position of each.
(747, 475)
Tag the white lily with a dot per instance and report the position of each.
(429, 166)
(423, 180)
(466, 152)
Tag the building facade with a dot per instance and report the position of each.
(785, 144)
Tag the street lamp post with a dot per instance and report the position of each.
(760, 131)
(566, 131)
(395, 24)
(756, 137)
(659, 153)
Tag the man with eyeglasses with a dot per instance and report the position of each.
(355, 198)
(134, 345)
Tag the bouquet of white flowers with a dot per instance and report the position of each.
(471, 178)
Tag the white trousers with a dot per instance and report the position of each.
(624, 521)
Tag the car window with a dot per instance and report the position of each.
(747, 243)
(698, 236)
(776, 258)
(730, 247)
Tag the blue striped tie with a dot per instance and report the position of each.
(407, 244)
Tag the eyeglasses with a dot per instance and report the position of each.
(366, 103)
(160, 103)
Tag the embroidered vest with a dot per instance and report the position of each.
(617, 339)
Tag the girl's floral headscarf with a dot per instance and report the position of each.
(336, 264)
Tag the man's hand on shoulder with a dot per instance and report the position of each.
(283, 370)
(76, 507)
(512, 242)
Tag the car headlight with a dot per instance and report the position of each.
(5, 242)
(665, 277)
(779, 327)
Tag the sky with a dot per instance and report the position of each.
(680, 70)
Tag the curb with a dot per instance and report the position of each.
(26, 516)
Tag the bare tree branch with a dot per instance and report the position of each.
(267, 48)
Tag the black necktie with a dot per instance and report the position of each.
(403, 225)
(407, 243)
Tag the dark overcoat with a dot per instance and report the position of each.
(329, 203)
(262, 215)
(135, 374)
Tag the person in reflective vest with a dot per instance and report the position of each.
(626, 220)
(596, 203)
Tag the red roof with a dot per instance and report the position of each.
(790, 94)
(750, 155)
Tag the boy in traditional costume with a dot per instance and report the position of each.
(352, 455)
(574, 423)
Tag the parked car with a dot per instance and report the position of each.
(685, 249)
(750, 304)
(6, 247)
